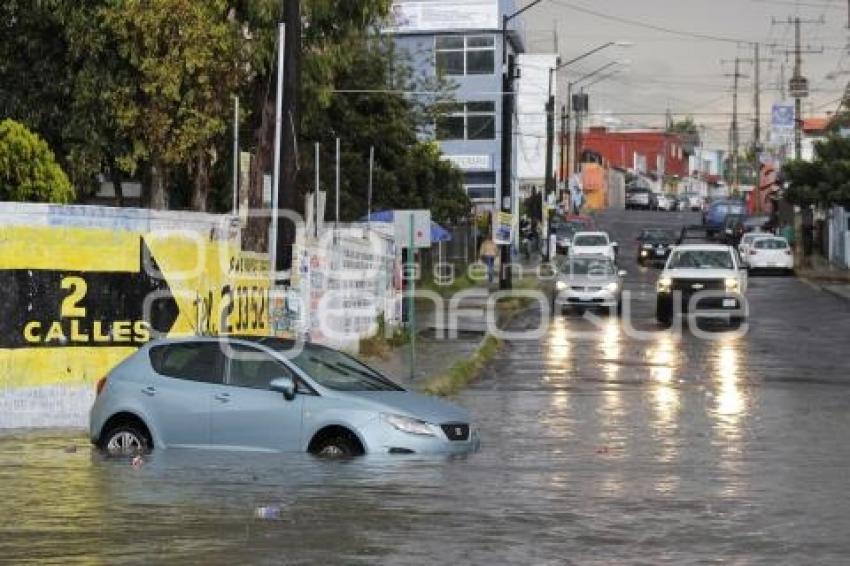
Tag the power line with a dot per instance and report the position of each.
(646, 25)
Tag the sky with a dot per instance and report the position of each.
(682, 52)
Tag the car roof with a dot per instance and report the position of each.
(703, 247)
(594, 257)
(591, 233)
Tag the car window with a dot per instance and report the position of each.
(771, 244)
(657, 235)
(701, 259)
(194, 361)
(583, 266)
(249, 367)
(341, 372)
(590, 241)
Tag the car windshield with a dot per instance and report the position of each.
(567, 229)
(588, 266)
(701, 259)
(657, 235)
(333, 369)
(771, 244)
(591, 240)
(751, 237)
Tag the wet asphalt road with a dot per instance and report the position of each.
(598, 447)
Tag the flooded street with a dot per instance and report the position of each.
(598, 447)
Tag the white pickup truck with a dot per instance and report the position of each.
(707, 279)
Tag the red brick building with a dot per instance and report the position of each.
(644, 150)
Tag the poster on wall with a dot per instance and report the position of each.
(412, 17)
(502, 228)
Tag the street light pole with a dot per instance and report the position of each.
(506, 197)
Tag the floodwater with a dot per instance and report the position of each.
(598, 448)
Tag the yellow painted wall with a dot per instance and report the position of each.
(71, 297)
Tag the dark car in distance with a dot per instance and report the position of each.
(654, 245)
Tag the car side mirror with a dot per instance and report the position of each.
(284, 385)
(622, 273)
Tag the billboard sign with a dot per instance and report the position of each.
(415, 17)
(782, 116)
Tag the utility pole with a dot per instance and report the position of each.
(798, 86)
(291, 116)
(549, 185)
(756, 62)
(734, 132)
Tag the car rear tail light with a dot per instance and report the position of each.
(101, 383)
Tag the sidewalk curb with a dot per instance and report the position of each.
(464, 372)
(818, 284)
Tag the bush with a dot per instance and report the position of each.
(28, 169)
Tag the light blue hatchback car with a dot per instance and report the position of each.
(251, 393)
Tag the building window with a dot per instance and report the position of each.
(467, 121)
(465, 55)
(481, 192)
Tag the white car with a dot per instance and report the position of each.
(665, 202)
(771, 252)
(704, 278)
(747, 241)
(593, 243)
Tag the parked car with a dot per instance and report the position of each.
(770, 252)
(715, 216)
(692, 201)
(758, 224)
(265, 394)
(564, 236)
(588, 223)
(747, 242)
(733, 229)
(638, 197)
(588, 282)
(703, 278)
(654, 244)
(665, 201)
(694, 233)
(593, 243)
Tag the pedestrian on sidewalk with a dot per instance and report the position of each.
(488, 255)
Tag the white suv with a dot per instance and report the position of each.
(593, 243)
(707, 278)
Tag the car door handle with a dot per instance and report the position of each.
(149, 391)
(223, 397)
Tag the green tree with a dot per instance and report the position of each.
(825, 180)
(185, 55)
(28, 169)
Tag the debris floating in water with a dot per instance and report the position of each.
(267, 513)
(70, 449)
(137, 462)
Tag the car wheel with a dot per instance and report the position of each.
(125, 440)
(663, 312)
(337, 447)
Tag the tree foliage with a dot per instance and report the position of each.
(28, 169)
(825, 180)
(144, 88)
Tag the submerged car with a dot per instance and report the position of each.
(267, 394)
(588, 282)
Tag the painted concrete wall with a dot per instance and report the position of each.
(81, 287)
